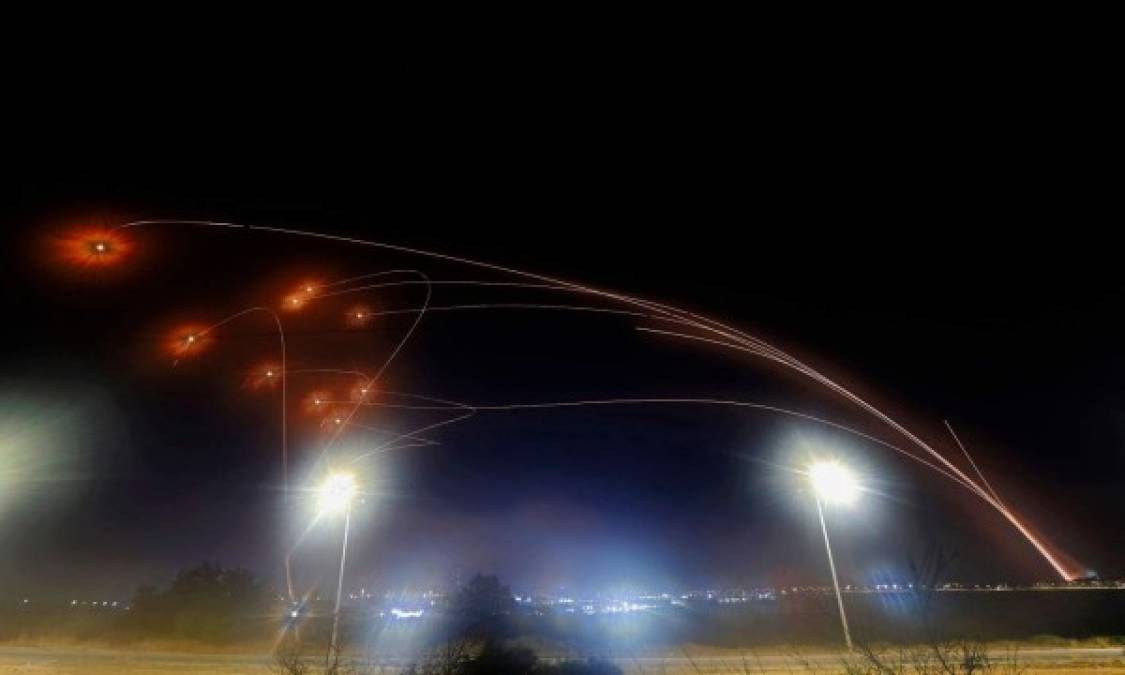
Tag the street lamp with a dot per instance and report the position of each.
(833, 483)
(333, 498)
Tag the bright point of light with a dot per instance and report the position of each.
(833, 482)
(269, 373)
(100, 247)
(336, 493)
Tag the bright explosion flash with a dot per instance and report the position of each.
(833, 482)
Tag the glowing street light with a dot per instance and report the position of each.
(335, 494)
(833, 483)
(333, 498)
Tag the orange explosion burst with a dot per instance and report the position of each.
(187, 340)
(359, 316)
(265, 376)
(305, 292)
(91, 247)
(362, 391)
(294, 301)
(336, 419)
(317, 401)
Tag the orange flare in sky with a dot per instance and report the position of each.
(362, 391)
(359, 316)
(91, 247)
(187, 340)
(317, 401)
(267, 375)
(335, 419)
(294, 301)
(305, 292)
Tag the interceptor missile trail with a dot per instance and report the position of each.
(703, 329)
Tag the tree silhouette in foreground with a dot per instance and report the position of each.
(206, 603)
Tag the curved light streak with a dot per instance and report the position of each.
(735, 339)
(284, 406)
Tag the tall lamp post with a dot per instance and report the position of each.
(335, 497)
(833, 483)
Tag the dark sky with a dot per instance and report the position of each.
(948, 273)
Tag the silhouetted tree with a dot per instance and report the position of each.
(205, 602)
(496, 659)
(482, 610)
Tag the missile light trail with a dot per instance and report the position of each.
(652, 317)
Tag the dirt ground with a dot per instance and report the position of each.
(73, 660)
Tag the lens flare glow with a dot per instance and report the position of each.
(833, 482)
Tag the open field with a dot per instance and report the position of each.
(751, 638)
(76, 660)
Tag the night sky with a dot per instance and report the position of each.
(964, 290)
